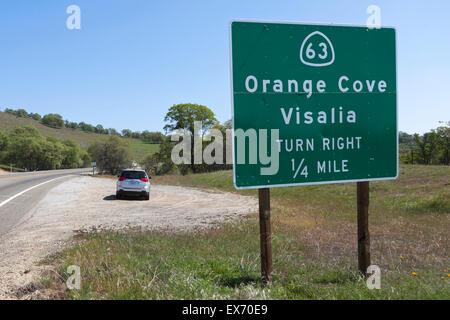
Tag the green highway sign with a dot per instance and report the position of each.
(312, 104)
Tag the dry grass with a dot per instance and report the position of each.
(314, 247)
(409, 217)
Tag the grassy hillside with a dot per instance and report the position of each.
(141, 149)
(84, 139)
(314, 247)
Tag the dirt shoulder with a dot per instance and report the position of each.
(87, 203)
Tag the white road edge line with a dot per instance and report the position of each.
(26, 190)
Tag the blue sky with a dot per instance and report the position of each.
(134, 59)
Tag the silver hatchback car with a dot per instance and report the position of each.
(133, 182)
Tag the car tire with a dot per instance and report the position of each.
(147, 196)
(117, 196)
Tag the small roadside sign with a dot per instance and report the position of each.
(93, 165)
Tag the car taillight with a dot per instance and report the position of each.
(144, 179)
(122, 179)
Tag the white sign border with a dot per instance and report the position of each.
(232, 103)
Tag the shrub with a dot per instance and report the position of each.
(27, 148)
(111, 155)
(53, 120)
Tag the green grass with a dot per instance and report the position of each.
(84, 139)
(314, 247)
(224, 264)
(141, 150)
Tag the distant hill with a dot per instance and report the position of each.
(84, 139)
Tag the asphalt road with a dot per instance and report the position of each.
(21, 192)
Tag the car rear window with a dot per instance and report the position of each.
(133, 174)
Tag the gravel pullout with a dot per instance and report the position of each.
(86, 203)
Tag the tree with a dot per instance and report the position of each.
(11, 111)
(443, 136)
(160, 162)
(111, 155)
(152, 137)
(86, 127)
(127, 133)
(35, 116)
(85, 158)
(52, 154)
(22, 113)
(183, 116)
(136, 135)
(3, 141)
(53, 120)
(113, 132)
(71, 125)
(404, 137)
(71, 154)
(228, 124)
(28, 148)
(427, 144)
(25, 147)
(25, 151)
(100, 130)
(26, 130)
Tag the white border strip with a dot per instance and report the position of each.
(26, 190)
(232, 102)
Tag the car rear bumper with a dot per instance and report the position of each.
(132, 193)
